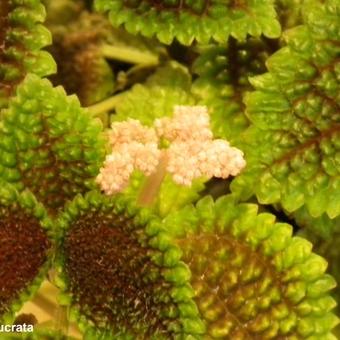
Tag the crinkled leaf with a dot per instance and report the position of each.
(26, 248)
(168, 87)
(21, 39)
(173, 196)
(289, 12)
(112, 275)
(188, 20)
(251, 278)
(49, 144)
(328, 247)
(82, 69)
(323, 226)
(223, 79)
(294, 155)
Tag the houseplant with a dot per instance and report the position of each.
(154, 258)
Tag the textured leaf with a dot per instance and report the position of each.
(251, 278)
(21, 38)
(328, 247)
(322, 226)
(173, 196)
(294, 158)
(168, 87)
(26, 245)
(223, 79)
(82, 69)
(188, 20)
(49, 144)
(289, 12)
(112, 276)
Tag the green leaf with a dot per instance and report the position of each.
(82, 68)
(322, 226)
(156, 98)
(251, 278)
(289, 12)
(120, 280)
(328, 247)
(21, 39)
(189, 20)
(292, 152)
(223, 80)
(89, 41)
(49, 144)
(172, 196)
(26, 249)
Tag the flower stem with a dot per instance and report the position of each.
(61, 320)
(106, 105)
(129, 55)
(150, 190)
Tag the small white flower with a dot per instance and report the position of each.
(188, 123)
(131, 131)
(193, 153)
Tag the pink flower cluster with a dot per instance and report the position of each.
(188, 123)
(134, 146)
(193, 153)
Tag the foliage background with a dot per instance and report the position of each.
(269, 72)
